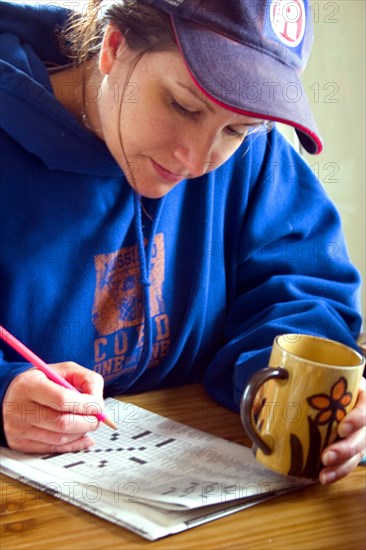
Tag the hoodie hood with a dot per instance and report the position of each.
(25, 52)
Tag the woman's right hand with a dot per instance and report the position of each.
(42, 417)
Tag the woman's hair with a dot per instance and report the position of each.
(144, 28)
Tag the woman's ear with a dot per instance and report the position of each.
(112, 40)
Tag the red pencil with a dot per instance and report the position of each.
(46, 369)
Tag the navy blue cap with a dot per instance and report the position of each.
(248, 55)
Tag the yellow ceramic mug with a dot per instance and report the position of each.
(291, 410)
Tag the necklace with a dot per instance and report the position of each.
(84, 113)
(85, 120)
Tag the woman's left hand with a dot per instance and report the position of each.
(342, 457)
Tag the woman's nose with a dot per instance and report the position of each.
(197, 155)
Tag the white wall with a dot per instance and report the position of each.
(335, 82)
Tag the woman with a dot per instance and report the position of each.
(154, 231)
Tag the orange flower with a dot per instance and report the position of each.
(332, 407)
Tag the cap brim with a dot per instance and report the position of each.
(246, 80)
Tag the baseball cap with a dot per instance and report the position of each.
(248, 55)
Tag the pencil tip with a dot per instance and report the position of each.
(110, 423)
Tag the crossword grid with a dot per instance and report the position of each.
(117, 450)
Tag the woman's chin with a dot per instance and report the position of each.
(154, 190)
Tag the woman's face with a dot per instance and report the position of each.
(169, 130)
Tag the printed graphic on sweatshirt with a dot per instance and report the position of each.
(118, 310)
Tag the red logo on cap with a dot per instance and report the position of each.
(288, 21)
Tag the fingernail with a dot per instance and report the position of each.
(329, 457)
(345, 429)
(327, 477)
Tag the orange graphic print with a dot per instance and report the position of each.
(118, 310)
(118, 301)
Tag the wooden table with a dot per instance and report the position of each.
(331, 517)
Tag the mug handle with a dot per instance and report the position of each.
(247, 400)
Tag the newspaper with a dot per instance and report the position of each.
(153, 475)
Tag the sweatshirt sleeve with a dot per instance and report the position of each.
(293, 273)
(8, 371)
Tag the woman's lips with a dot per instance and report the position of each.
(166, 175)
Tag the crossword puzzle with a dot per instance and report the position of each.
(118, 450)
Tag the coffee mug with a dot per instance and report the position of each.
(291, 410)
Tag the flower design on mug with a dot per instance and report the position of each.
(332, 407)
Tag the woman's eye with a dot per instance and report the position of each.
(181, 110)
(236, 133)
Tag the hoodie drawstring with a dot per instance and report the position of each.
(145, 263)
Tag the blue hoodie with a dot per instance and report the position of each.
(153, 293)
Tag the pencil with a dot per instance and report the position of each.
(42, 366)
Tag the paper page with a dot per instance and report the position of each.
(154, 459)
